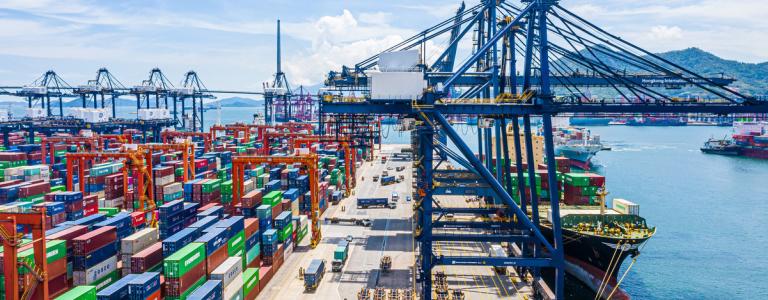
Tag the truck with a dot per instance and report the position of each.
(368, 202)
(336, 197)
(400, 168)
(375, 178)
(314, 274)
(395, 197)
(360, 222)
(340, 256)
(387, 180)
(383, 159)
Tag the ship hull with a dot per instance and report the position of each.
(583, 121)
(732, 152)
(589, 257)
(753, 152)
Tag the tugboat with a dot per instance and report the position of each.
(721, 147)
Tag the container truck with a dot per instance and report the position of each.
(340, 256)
(368, 202)
(314, 274)
(387, 180)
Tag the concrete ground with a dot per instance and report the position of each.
(390, 234)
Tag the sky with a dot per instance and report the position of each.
(231, 43)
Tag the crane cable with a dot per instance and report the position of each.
(611, 265)
(634, 259)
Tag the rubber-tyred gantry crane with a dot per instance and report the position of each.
(46, 143)
(265, 137)
(350, 157)
(239, 164)
(11, 241)
(235, 129)
(187, 155)
(139, 161)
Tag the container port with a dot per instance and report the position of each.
(313, 200)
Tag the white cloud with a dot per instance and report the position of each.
(666, 32)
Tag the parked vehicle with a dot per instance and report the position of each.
(387, 180)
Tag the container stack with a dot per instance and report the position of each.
(214, 241)
(250, 201)
(135, 244)
(270, 243)
(145, 286)
(73, 204)
(252, 243)
(95, 257)
(28, 173)
(96, 179)
(230, 273)
(114, 195)
(184, 271)
(211, 289)
(176, 215)
(581, 188)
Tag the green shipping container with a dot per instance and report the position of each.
(577, 179)
(211, 185)
(285, 232)
(83, 292)
(58, 188)
(107, 280)
(109, 211)
(226, 187)
(180, 262)
(55, 250)
(236, 244)
(252, 253)
(250, 280)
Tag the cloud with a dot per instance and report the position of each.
(666, 32)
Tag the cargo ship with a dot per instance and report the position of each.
(597, 238)
(590, 121)
(577, 144)
(656, 121)
(750, 139)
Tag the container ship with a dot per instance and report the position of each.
(750, 139)
(597, 238)
(656, 121)
(577, 144)
(130, 220)
(590, 121)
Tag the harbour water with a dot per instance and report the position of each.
(709, 211)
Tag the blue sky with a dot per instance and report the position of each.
(230, 43)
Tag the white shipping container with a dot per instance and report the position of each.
(234, 291)
(398, 61)
(35, 113)
(228, 271)
(139, 241)
(626, 207)
(96, 272)
(397, 85)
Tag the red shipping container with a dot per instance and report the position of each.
(147, 258)
(56, 286)
(255, 263)
(138, 218)
(205, 207)
(67, 235)
(251, 226)
(252, 199)
(253, 294)
(177, 286)
(286, 204)
(265, 275)
(276, 210)
(596, 180)
(91, 210)
(215, 259)
(85, 244)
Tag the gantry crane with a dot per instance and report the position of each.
(139, 161)
(350, 157)
(187, 155)
(309, 161)
(265, 137)
(235, 129)
(169, 136)
(11, 241)
(48, 142)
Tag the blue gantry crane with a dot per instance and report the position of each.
(192, 89)
(97, 89)
(528, 58)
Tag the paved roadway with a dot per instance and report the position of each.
(390, 234)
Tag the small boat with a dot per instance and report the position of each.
(721, 147)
